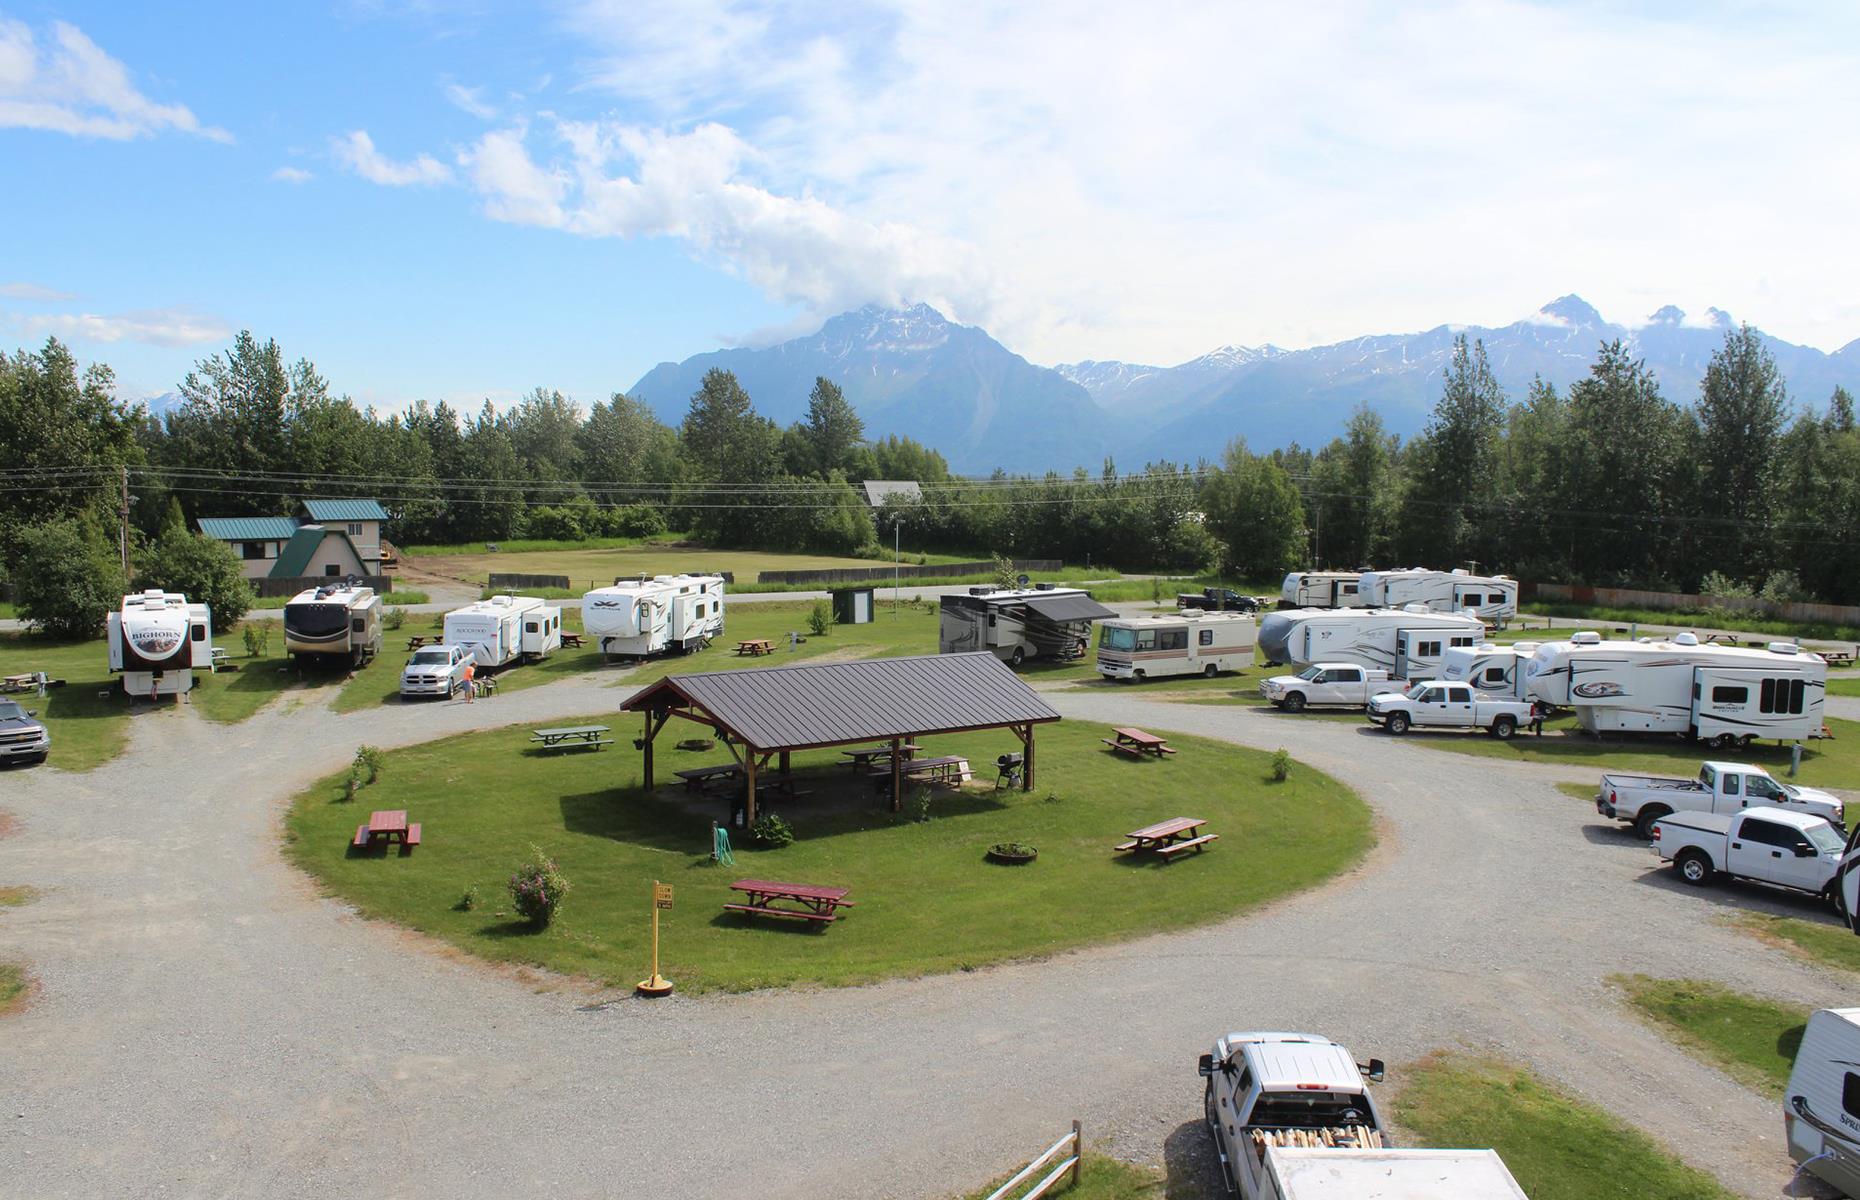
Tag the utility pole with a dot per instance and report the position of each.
(122, 531)
(897, 560)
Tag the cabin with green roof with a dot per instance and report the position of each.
(263, 544)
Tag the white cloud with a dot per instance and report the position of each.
(72, 86)
(356, 151)
(292, 175)
(471, 100)
(156, 327)
(33, 291)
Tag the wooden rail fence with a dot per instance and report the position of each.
(914, 571)
(1072, 1144)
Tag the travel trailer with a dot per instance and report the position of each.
(503, 629)
(1494, 670)
(637, 618)
(335, 623)
(1717, 694)
(1408, 643)
(156, 639)
(1493, 597)
(1017, 624)
(1189, 643)
(1821, 1105)
(1322, 589)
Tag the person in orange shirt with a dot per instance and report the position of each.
(471, 681)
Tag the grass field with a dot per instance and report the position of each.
(1827, 943)
(1558, 1147)
(87, 729)
(1847, 685)
(600, 567)
(1688, 618)
(1100, 1178)
(927, 900)
(1751, 1039)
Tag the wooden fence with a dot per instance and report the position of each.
(517, 583)
(928, 571)
(1071, 1144)
(1833, 614)
(268, 586)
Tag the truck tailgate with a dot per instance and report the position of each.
(1392, 1175)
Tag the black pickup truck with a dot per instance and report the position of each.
(1218, 600)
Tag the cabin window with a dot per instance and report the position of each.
(355, 529)
(358, 625)
(251, 550)
(1730, 695)
(1146, 639)
(1207, 637)
(332, 569)
(1172, 639)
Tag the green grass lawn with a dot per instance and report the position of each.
(1584, 792)
(1844, 685)
(89, 717)
(1592, 615)
(1559, 1148)
(926, 899)
(1752, 1039)
(1827, 943)
(1100, 1178)
(589, 568)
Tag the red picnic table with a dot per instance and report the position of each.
(817, 903)
(386, 826)
(1170, 838)
(1137, 743)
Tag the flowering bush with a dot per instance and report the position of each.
(537, 889)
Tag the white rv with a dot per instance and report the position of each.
(1017, 624)
(503, 629)
(1821, 1106)
(1493, 597)
(1322, 589)
(1191, 642)
(156, 640)
(636, 618)
(1409, 644)
(339, 622)
(1495, 670)
(1717, 694)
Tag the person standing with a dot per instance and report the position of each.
(471, 681)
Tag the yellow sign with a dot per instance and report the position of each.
(661, 895)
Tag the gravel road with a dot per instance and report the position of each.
(209, 1026)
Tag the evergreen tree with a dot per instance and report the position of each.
(1253, 507)
(1741, 407)
(1450, 510)
(832, 428)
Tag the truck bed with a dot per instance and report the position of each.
(1394, 1175)
(1652, 782)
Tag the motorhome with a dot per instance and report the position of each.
(1191, 642)
(1493, 597)
(1494, 670)
(1322, 589)
(156, 639)
(503, 629)
(1724, 695)
(637, 618)
(1017, 624)
(1821, 1105)
(336, 623)
(1409, 644)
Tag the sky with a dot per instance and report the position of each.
(468, 200)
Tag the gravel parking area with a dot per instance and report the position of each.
(209, 1026)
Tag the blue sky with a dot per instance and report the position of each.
(469, 200)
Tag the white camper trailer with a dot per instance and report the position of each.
(1493, 597)
(338, 622)
(1821, 1106)
(1191, 642)
(1409, 644)
(503, 629)
(1494, 670)
(1717, 694)
(637, 618)
(156, 639)
(1322, 589)
(1020, 623)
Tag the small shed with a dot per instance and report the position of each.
(771, 711)
(852, 605)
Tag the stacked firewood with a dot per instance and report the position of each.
(1348, 1137)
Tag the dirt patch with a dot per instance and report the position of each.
(17, 897)
(18, 988)
(9, 824)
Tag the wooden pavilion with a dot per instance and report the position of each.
(766, 713)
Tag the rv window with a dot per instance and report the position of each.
(1114, 638)
(1427, 649)
(1850, 1095)
(1172, 639)
(358, 625)
(1461, 640)
(1207, 637)
(1349, 589)
(1768, 833)
(1768, 692)
(991, 620)
(1796, 688)
(1730, 695)
(1495, 674)
(529, 627)
(1146, 639)
(200, 633)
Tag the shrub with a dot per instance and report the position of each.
(1281, 765)
(553, 523)
(469, 900)
(1005, 576)
(537, 889)
(1782, 587)
(393, 618)
(820, 618)
(920, 806)
(772, 830)
(257, 635)
(632, 520)
(201, 568)
(368, 762)
(1012, 850)
(1718, 585)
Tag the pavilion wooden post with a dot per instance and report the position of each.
(784, 762)
(1025, 733)
(652, 731)
(749, 776)
(897, 775)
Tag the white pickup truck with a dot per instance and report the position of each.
(1324, 683)
(1442, 705)
(1720, 787)
(1292, 1120)
(1770, 845)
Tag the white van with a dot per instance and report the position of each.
(1821, 1107)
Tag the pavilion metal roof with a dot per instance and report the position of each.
(834, 704)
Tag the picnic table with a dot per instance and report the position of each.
(1170, 838)
(755, 647)
(1137, 743)
(415, 641)
(947, 769)
(819, 904)
(871, 756)
(697, 779)
(572, 641)
(572, 736)
(28, 682)
(1836, 658)
(384, 827)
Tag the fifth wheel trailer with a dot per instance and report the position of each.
(1821, 1105)
(1019, 623)
(1406, 643)
(156, 639)
(505, 628)
(1322, 589)
(1493, 597)
(637, 618)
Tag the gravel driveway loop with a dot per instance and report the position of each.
(209, 1027)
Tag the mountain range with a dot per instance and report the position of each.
(913, 372)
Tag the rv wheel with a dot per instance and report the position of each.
(1743, 743)
(1018, 657)
(1212, 671)
(1722, 742)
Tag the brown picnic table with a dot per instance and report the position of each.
(586, 736)
(28, 682)
(415, 641)
(1836, 658)
(697, 779)
(755, 647)
(1170, 838)
(949, 768)
(572, 641)
(867, 757)
(1137, 743)
(385, 827)
(821, 904)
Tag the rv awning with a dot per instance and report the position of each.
(1061, 609)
